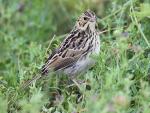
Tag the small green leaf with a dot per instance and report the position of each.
(144, 11)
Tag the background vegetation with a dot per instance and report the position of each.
(120, 81)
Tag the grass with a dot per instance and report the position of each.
(118, 83)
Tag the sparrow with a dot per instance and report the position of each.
(73, 55)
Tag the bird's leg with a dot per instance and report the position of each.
(75, 86)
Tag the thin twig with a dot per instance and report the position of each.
(138, 26)
(50, 42)
(112, 14)
(101, 32)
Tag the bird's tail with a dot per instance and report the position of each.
(26, 84)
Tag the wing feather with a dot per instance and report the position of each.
(68, 53)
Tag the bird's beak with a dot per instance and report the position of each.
(93, 19)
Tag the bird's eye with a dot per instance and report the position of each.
(85, 18)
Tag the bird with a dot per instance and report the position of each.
(73, 55)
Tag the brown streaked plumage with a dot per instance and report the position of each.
(73, 55)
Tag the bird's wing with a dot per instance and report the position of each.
(67, 54)
(72, 48)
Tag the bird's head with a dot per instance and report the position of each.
(87, 19)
